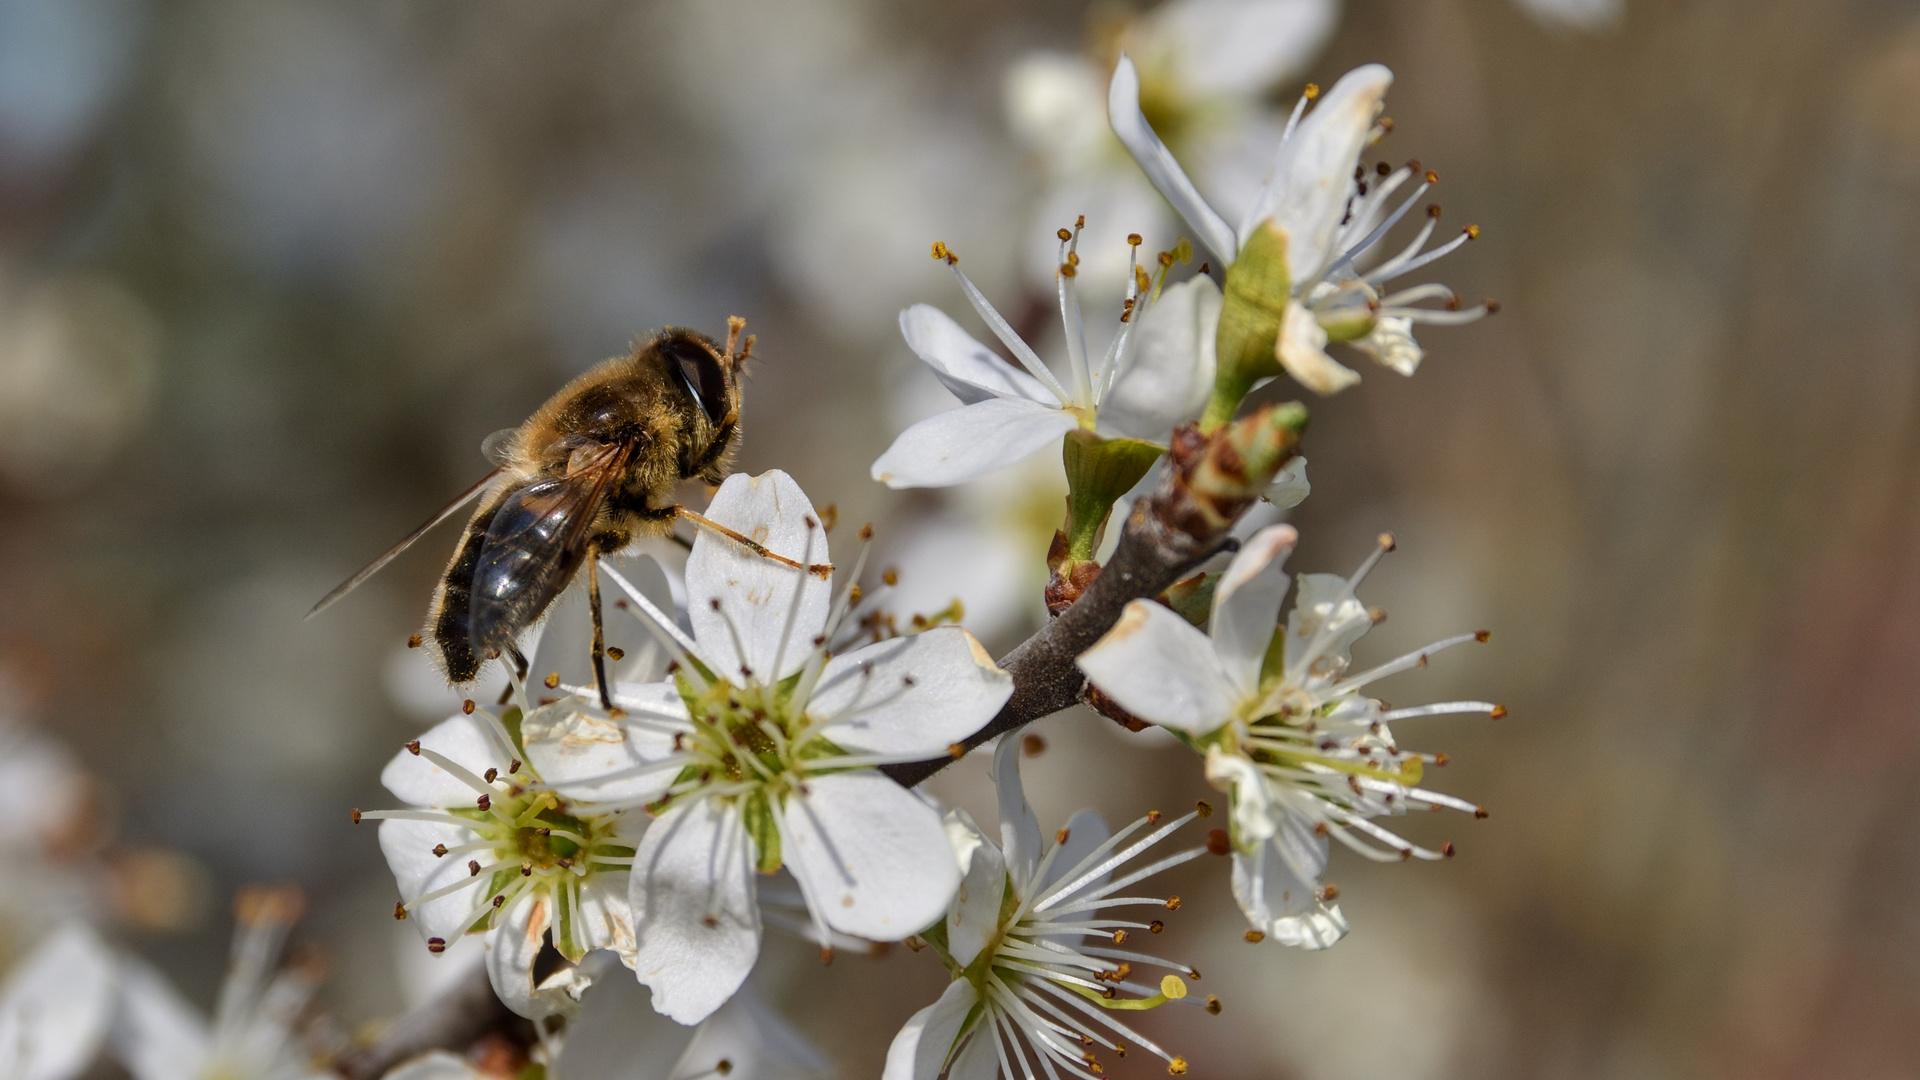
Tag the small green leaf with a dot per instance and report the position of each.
(1192, 598)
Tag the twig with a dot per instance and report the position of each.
(1209, 483)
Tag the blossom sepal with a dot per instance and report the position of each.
(1252, 312)
(1099, 471)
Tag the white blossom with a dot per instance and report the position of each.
(487, 847)
(1155, 373)
(761, 752)
(1333, 215)
(1284, 727)
(1039, 974)
(1207, 66)
(159, 1036)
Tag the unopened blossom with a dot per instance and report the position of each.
(1206, 68)
(485, 846)
(1155, 373)
(1329, 214)
(761, 752)
(1284, 726)
(254, 1031)
(56, 1002)
(1036, 942)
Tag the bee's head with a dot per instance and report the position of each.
(709, 377)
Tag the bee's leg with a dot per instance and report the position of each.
(520, 666)
(704, 522)
(599, 632)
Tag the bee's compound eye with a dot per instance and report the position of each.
(700, 373)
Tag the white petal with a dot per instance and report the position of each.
(1246, 604)
(1019, 828)
(1056, 105)
(408, 846)
(919, 1051)
(753, 1040)
(871, 858)
(974, 916)
(1171, 374)
(1302, 350)
(1161, 669)
(617, 1037)
(1391, 344)
(1255, 817)
(605, 914)
(461, 739)
(1130, 124)
(694, 909)
(572, 748)
(971, 370)
(757, 593)
(1240, 47)
(1289, 487)
(978, 1060)
(1086, 830)
(56, 1004)
(1283, 906)
(156, 1034)
(1306, 194)
(1325, 622)
(964, 836)
(969, 442)
(512, 946)
(916, 694)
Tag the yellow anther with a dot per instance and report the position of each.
(1312, 91)
(1173, 987)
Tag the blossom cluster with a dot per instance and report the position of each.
(640, 824)
(744, 777)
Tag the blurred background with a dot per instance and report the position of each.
(270, 272)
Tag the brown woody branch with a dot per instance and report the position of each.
(1209, 483)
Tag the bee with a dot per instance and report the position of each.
(591, 470)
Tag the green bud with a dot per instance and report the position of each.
(1241, 460)
(1251, 312)
(1099, 471)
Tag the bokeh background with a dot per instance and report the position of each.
(271, 270)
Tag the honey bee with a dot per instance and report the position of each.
(591, 470)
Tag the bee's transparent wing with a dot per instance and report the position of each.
(539, 535)
(393, 552)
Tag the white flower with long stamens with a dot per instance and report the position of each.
(487, 846)
(1332, 216)
(1206, 66)
(253, 1036)
(1284, 726)
(1035, 948)
(762, 752)
(1155, 373)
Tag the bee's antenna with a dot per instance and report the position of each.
(735, 324)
